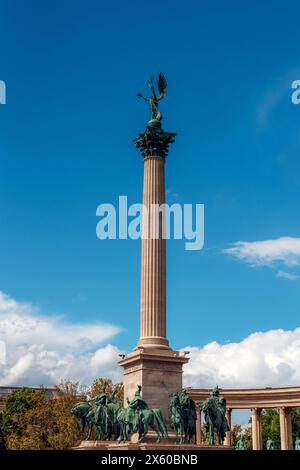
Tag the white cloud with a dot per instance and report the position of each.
(267, 359)
(44, 350)
(289, 276)
(283, 251)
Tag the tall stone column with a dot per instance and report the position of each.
(153, 364)
(227, 441)
(153, 263)
(256, 429)
(286, 429)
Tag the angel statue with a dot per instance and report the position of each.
(156, 115)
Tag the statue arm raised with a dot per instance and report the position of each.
(141, 96)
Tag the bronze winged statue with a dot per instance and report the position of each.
(154, 140)
(154, 98)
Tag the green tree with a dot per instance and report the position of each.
(37, 421)
(270, 424)
(48, 423)
(2, 434)
(295, 423)
(16, 404)
(238, 431)
(270, 427)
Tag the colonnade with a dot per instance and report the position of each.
(284, 399)
(257, 443)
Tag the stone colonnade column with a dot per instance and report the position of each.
(227, 441)
(286, 437)
(198, 425)
(153, 269)
(256, 429)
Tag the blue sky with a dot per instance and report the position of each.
(72, 71)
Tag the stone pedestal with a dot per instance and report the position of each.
(159, 372)
(92, 445)
(164, 448)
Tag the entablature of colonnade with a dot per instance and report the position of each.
(253, 397)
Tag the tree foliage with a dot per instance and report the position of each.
(33, 420)
(270, 426)
(2, 433)
(46, 423)
(17, 403)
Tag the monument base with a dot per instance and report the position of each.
(93, 445)
(145, 446)
(158, 371)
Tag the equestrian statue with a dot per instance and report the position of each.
(214, 409)
(112, 421)
(183, 417)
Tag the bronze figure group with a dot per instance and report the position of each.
(114, 422)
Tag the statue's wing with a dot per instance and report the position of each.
(162, 85)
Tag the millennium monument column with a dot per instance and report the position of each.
(153, 364)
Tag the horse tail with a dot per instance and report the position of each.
(160, 422)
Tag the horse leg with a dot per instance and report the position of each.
(143, 432)
(121, 435)
(89, 430)
(211, 436)
(177, 439)
(127, 432)
(155, 428)
(145, 426)
(220, 439)
(185, 435)
(82, 423)
(181, 434)
(98, 430)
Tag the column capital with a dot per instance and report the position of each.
(256, 411)
(154, 141)
(285, 409)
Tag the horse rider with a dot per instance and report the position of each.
(103, 398)
(101, 401)
(188, 406)
(136, 405)
(221, 403)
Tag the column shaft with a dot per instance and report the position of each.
(286, 429)
(198, 426)
(227, 441)
(289, 430)
(153, 269)
(256, 429)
